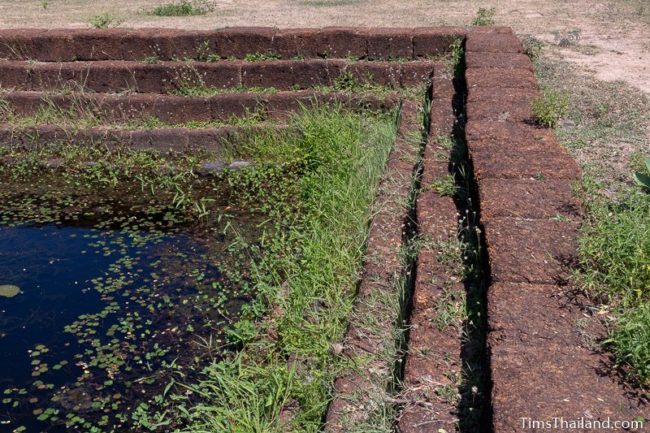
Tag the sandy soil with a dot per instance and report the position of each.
(613, 36)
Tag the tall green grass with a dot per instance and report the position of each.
(305, 282)
(615, 254)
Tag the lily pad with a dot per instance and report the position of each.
(9, 291)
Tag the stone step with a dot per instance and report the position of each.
(178, 77)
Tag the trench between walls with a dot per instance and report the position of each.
(410, 246)
(474, 408)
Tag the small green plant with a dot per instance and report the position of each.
(456, 53)
(643, 179)
(614, 256)
(183, 9)
(103, 21)
(450, 308)
(151, 60)
(204, 53)
(45, 4)
(630, 341)
(259, 57)
(445, 186)
(484, 17)
(5, 110)
(532, 47)
(346, 81)
(550, 107)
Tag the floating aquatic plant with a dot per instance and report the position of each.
(9, 290)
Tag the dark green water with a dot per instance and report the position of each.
(107, 321)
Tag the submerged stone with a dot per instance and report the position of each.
(9, 291)
(211, 168)
(54, 163)
(238, 165)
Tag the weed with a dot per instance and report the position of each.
(630, 340)
(445, 186)
(614, 254)
(450, 309)
(204, 53)
(532, 47)
(613, 245)
(643, 179)
(259, 57)
(457, 55)
(606, 125)
(45, 4)
(183, 8)
(103, 21)
(310, 272)
(484, 17)
(189, 81)
(349, 82)
(550, 107)
(449, 394)
(5, 110)
(151, 60)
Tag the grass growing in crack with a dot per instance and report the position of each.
(473, 386)
(450, 254)
(191, 89)
(450, 309)
(85, 114)
(445, 186)
(260, 57)
(80, 114)
(457, 57)
(308, 274)
(348, 82)
(251, 118)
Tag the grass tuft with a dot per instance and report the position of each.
(260, 57)
(103, 21)
(184, 8)
(484, 17)
(550, 107)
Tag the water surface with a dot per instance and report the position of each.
(107, 319)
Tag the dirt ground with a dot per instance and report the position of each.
(611, 38)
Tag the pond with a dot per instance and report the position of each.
(114, 309)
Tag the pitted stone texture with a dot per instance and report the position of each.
(554, 380)
(530, 251)
(527, 198)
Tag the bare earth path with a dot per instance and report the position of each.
(613, 36)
